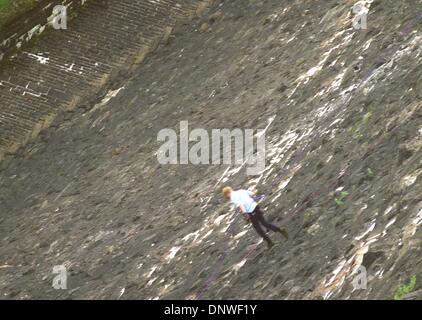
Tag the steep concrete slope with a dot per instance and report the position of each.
(342, 108)
(64, 68)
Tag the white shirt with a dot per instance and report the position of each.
(243, 197)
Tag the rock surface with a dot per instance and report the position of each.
(343, 111)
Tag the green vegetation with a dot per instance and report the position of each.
(4, 3)
(356, 130)
(370, 173)
(10, 9)
(359, 126)
(405, 289)
(340, 200)
(367, 116)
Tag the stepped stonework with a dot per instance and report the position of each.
(24, 28)
(46, 71)
(341, 110)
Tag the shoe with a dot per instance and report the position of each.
(284, 233)
(270, 244)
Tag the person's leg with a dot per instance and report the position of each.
(258, 229)
(260, 217)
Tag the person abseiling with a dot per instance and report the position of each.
(244, 199)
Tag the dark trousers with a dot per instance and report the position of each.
(257, 219)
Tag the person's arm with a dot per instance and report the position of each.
(246, 216)
(242, 208)
(252, 193)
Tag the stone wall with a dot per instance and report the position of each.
(24, 28)
(63, 68)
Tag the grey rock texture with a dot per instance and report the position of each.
(343, 175)
(62, 69)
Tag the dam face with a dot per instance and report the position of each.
(82, 189)
(46, 71)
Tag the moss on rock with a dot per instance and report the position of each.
(9, 10)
